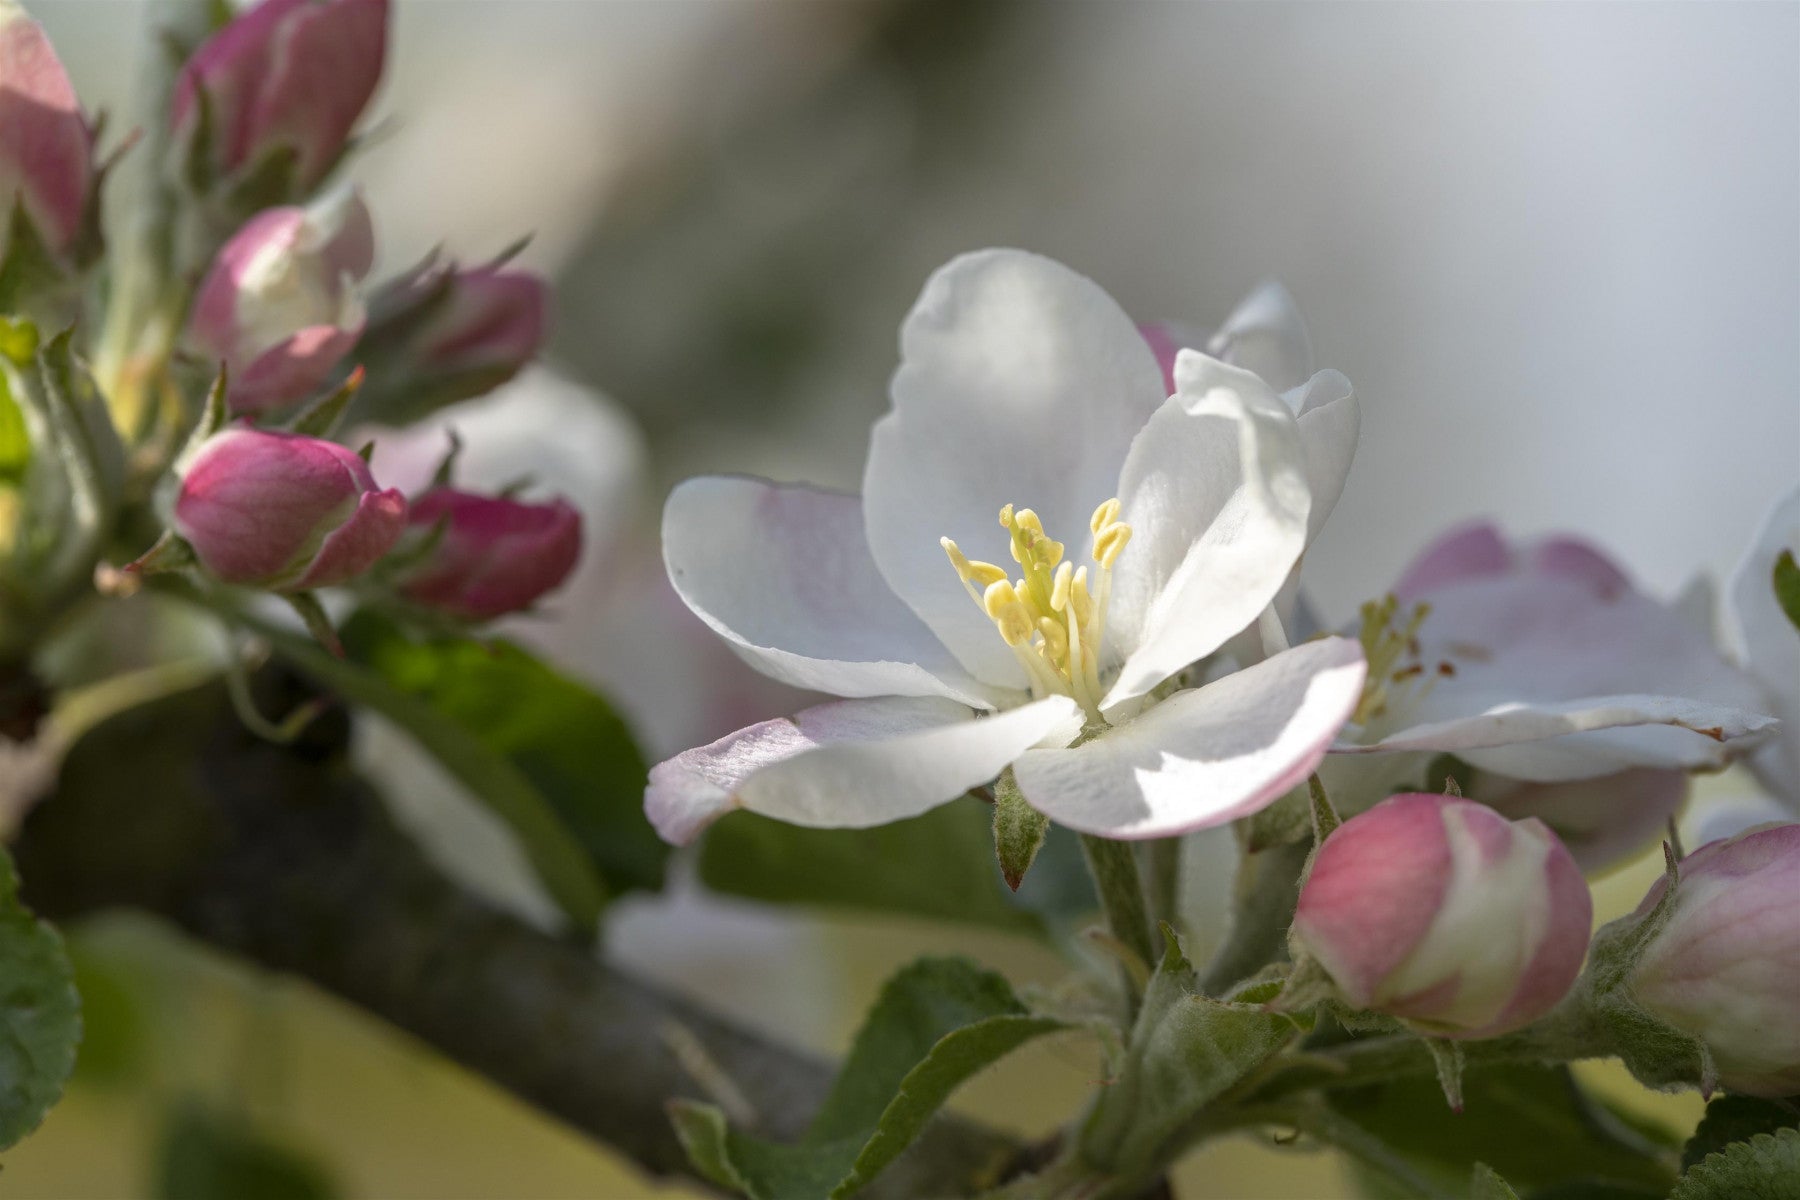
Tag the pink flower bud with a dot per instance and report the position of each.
(285, 512)
(279, 306)
(493, 318)
(495, 556)
(1726, 967)
(1441, 912)
(285, 75)
(46, 146)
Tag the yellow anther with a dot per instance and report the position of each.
(1103, 516)
(1056, 639)
(1110, 543)
(1080, 598)
(1059, 592)
(1008, 612)
(972, 570)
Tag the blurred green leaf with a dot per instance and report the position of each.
(1731, 1119)
(212, 1156)
(938, 865)
(1767, 1167)
(1486, 1184)
(936, 1023)
(114, 1032)
(1531, 1124)
(40, 1013)
(1787, 586)
(568, 741)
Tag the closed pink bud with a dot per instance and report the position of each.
(494, 556)
(1445, 914)
(46, 145)
(285, 512)
(493, 318)
(1726, 967)
(289, 75)
(279, 306)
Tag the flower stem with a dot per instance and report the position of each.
(1114, 868)
(1162, 878)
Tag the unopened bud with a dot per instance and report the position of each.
(284, 78)
(493, 555)
(1445, 914)
(46, 155)
(284, 512)
(280, 307)
(1725, 968)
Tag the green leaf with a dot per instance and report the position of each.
(1185, 1051)
(938, 865)
(1486, 1184)
(1787, 586)
(40, 1013)
(404, 684)
(1767, 1167)
(1731, 1119)
(1531, 1124)
(208, 1156)
(1019, 830)
(936, 1023)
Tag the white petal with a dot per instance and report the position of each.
(1020, 382)
(1204, 756)
(850, 764)
(1265, 334)
(1537, 656)
(783, 573)
(1215, 493)
(1330, 421)
(1770, 646)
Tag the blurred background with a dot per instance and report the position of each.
(1555, 246)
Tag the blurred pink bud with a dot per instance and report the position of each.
(1441, 912)
(285, 512)
(1726, 967)
(495, 556)
(285, 75)
(46, 146)
(492, 318)
(280, 306)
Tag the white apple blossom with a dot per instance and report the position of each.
(1769, 646)
(1021, 384)
(1543, 663)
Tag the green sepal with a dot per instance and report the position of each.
(1786, 580)
(936, 1023)
(322, 419)
(1019, 830)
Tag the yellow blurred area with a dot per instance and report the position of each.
(392, 1119)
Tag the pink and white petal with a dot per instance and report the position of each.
(1572, 558)
(1546, 741)
(783, 573)
(1470, 551)
(1215, 493)
(1603, 821)
(1020, 382)
(1769, 645)
(1265, 334)
(1204, 756)
(1330, 421)
(850, 764)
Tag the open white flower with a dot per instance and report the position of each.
(1027, 408)
(1541, 662)
(1769, 646)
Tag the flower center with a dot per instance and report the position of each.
(1398, 676)
(1054, 615)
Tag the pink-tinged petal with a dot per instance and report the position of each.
(495, 555)
(493, 318)
(1167, 339)
(1021, 382)
(784, 574)
(1604, 822)
(850, 764)
(213, 321)
(1572, 558)
(1557, 962)
(356, 545)
(1375, 887)
(324, 64)
(252, 503)
(1204, 756)
(46, 145)
(1472, 551)
(231, 65)
(293, 370)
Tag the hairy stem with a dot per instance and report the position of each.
(1113, 865)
